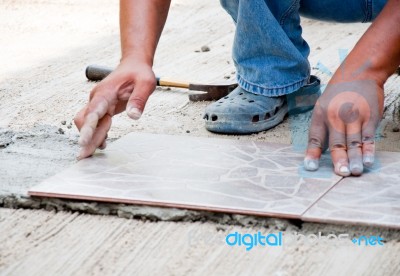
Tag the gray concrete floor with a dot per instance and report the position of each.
(42, 84)
(63, 243)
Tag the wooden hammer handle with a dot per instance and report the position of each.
(98, 73)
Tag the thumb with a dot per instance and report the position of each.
(141, 92)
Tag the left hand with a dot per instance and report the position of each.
(345, 118)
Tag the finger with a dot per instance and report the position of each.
(316, 140)
(137, 101)
(99, 137)
(88, 128)
(337, 146)
(368, 145)
(103, 145)
(354, 146)
(79, 118)
(96, 109)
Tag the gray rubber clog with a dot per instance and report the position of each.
(242, 112)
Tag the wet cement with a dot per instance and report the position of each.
(28, 157)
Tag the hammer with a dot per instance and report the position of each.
(213, 92)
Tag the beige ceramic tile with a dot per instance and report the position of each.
(372, 199)
(197, 173)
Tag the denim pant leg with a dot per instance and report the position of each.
(344, 12)
(269, 52)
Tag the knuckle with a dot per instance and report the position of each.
(353, 141)
(354, 144)
(338, 146)
(103, 86)
(315, 142)
(318, 110)
(139, 101)
(148, 81)
(368, 139)
(130, 75)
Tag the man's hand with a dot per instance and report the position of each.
(127, 88)
(346, 115)
(131, 84)
(348, 112)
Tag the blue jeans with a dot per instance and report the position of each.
(269, 53)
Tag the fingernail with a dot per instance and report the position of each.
(356, 169)
(134, 113)
(368, 160)
(311, 164)
(344, 170)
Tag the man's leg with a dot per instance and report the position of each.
(345, 12)
(270, 56)
(268, 50)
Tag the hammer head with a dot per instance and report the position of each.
(213, 91)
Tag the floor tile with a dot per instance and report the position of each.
(197, 173)
(372, 199)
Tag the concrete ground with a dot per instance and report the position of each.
(46, 47)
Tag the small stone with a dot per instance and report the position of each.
(227, 77)
(318, 48)
(61, 131)
(63, 123)
(187, 131)
(205, 48)
(396, 129)
(197, 51)
(69, 126)
(220, 228)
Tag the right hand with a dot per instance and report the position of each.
(128, 88)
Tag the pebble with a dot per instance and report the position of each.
(396, 129)
(205, 48)
(63, 123)
(61, 131)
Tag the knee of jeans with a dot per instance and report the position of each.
(231, 7)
